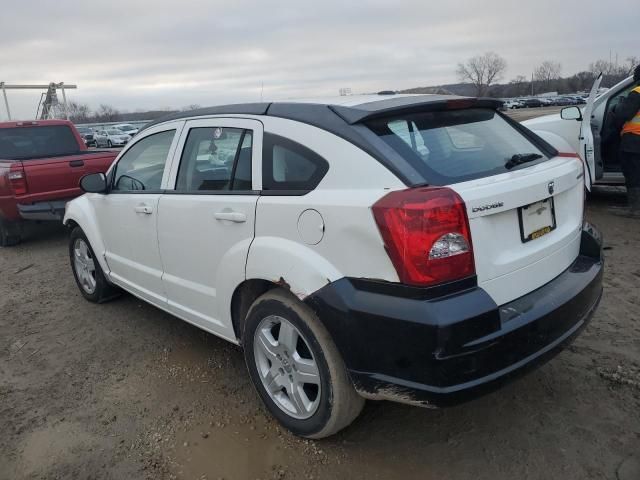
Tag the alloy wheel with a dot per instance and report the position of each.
(287, 368)
(84, 265)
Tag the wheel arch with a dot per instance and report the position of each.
(243, 297)
(80, 214)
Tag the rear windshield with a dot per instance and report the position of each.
(457, 145)
(21, 143)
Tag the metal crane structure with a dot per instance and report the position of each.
(49, 106)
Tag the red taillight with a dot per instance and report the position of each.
(17, 179)
(426, 233)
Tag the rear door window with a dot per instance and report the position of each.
(457, 145)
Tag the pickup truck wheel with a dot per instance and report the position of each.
(10, 234)
(296, 368)
(89, 276)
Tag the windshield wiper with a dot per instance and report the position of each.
(520, 158)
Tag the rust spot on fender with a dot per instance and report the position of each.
(283, 283)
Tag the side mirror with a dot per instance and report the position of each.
(571, 113)
(94, 183)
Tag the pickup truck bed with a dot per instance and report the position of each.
(41, 164)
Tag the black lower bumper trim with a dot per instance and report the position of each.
(441, 351)
(53, 210)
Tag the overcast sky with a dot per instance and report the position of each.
(143, 55)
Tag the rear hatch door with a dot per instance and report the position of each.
(524, 202)
(525, 226)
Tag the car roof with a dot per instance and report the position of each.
(343, 116)
(350, 109)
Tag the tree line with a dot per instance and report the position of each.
(82, 113)
(485, 71)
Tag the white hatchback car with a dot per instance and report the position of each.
(420, 249)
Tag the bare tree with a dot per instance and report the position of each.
(193, 106)
(605, 67)
(78, 112)
(632, 63)
(482, 71)
(519, 86)
(612, 71)
(547, 72)
(106, 113)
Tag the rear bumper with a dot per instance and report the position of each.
(437, 348)
(49, 211)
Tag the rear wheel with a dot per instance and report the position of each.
(10, 233)
(89, 276)
(296, 367)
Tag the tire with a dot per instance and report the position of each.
(91, 281)
(329, 402)
(109, 144)
(10, 233)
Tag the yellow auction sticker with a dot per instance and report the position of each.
(540, 233)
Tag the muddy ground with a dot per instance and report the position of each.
(125, 391)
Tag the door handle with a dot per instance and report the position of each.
(76, 163)
(235, 217)
(146, 209)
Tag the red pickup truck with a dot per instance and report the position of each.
(41, 163)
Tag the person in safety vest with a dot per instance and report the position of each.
(627, 122)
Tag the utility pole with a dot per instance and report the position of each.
(532, 84)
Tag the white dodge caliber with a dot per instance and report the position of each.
(421, 249)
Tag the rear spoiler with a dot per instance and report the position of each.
(409, 105)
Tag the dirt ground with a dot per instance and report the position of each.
(125, 391)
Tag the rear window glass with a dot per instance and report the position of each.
(457, 145)
(21, 143)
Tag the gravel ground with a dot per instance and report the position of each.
(123, 390)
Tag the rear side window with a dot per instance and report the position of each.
(21, 143)
(215, 158)
(287, 165)
(142, 166)
(457, 145)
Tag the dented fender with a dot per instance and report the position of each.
(293, 266)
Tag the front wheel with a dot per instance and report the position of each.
(86, 269)
(296, 368)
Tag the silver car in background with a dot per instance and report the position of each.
(111, 137)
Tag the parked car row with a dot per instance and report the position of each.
(112, 136)
(533, 102)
